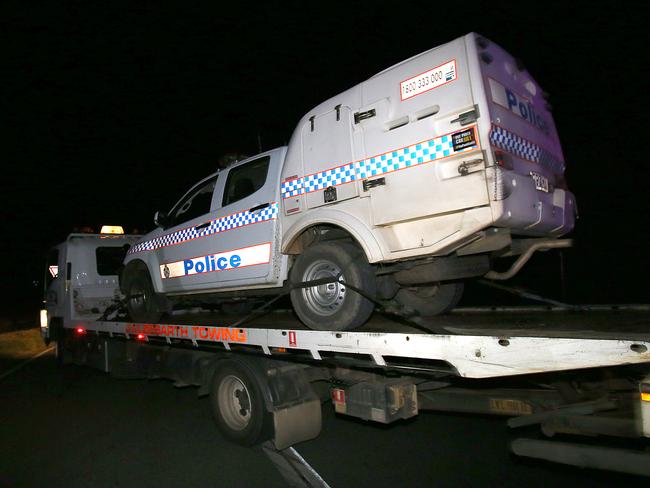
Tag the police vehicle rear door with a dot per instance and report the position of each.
(236, 243)
(423, 155)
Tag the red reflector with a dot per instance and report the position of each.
(503, 159)
(338, 396)
(140, 337)
(81, 330)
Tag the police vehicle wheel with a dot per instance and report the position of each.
(429, 301)
(333, 306)
(238, 405)
(141, 300)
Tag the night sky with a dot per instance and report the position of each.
(111, 110)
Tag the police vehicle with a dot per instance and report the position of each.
(397, 189)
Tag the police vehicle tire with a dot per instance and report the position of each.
(238, 406)
(429, 301)
(333, 306)
(141, 300)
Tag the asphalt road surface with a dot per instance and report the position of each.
(73, 426)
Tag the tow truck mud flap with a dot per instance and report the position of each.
(297, 423)
(295, 407)
(89, 351)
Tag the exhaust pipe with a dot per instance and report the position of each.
(543, 245)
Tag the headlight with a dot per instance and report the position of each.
(44, 323)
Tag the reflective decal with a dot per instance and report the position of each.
(222, 334)
(518, 105)
(395, 160)
(227, 260)
(222, 224)
(508, 141)
(424, 82)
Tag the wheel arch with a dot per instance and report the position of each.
(332, 219)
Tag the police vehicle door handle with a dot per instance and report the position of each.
(202, 226)
(467, 117)
(464, 168)
(259, 207)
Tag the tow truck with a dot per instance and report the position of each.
(572, 372)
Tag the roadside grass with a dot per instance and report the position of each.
(19, 345)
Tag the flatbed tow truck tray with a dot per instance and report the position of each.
(474, 346)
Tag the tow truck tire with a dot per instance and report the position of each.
(333, 306)
(238, 405)
(429, 301)
(142, 301)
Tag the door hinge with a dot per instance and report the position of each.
(467, 117)
(359, 116)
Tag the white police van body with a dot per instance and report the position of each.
(421, 175)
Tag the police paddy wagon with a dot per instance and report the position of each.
(397, 189)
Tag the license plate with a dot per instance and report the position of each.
(510, 406)
(541, 181)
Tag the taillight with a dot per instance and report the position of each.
(503, 159)
(80, 330)
(141, 337)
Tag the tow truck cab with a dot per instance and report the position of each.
(81, 278)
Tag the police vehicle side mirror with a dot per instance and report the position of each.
(161, 219)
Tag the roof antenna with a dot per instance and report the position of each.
(259, 143)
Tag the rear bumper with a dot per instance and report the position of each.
(528, 211)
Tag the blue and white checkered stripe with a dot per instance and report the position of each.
(506, 140)
(420, 153)
(330, 177)
(222, 224)
(291, 188)
(407, 157)
(514, 144)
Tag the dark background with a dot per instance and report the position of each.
(110, 111)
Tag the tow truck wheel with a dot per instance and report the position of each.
(333, 306)
(429, 301)
(238, 406)
(141, 299)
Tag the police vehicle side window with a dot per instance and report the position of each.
(195, 204)
(245, 180)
